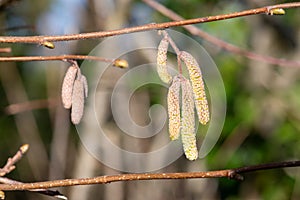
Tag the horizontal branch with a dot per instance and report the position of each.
(230, 173)
(43, 39)
(59, 57)
(218, 42)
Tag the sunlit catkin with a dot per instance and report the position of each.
(174, 108)
(162, 61)
(198, 86)
(67, 86)
(188, 135)
(77, 101)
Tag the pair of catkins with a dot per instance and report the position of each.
(74, 91)
(182, 121)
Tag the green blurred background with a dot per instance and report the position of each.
(263, 101)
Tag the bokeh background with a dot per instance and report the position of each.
(263, 101)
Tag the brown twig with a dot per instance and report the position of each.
(42, 39)
(218, 42)
(230, 173)
(10, 164)
(5, 50)
(30, 105)
(52, 193)
(59, 57)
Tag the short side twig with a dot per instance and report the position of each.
(10, 164)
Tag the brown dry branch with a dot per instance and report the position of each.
(13, 109)
(5, 50)
(10, 164)
(235, 173)
(220, 43)
(153, 26)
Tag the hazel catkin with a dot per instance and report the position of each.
(77, 101)
(67, 86)
(198, 86)
(188, 135)
(162, 61)
(174, 108)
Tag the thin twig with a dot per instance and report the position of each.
(59, 57)
(10, 164)
(5, 50)
(230, 173)
(218, 42)
(52, 193)
(16, 108)
(42, 39)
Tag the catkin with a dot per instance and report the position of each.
(174, 108)
(162, 61)
(198, 86)
(77, 101)
(85, 86)
(188, 135)
(67, 86)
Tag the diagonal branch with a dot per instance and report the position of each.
(45, 39)
(229, 173)
(218, 42)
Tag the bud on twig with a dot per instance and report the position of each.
(77, 101)
(198, 86)
(162, 61)
(174, 108)
(67, 87)
(188, 135)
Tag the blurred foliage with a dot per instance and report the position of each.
(263, 101)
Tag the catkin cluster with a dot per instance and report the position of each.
(182, 113)
(74, 91)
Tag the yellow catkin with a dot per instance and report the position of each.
(67, 86)
(162, 61)
(77, 101)
(174, 108)
(198, 86)
(188, 135)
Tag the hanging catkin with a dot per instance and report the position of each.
(77, 101)
(174, 108)
(162, 61)
(85, 85)
(198, 86)
(188, 135)
(67, 86)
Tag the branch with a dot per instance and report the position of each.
(230, 173)
(42, 40)
(218, 42)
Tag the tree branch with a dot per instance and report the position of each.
(218, 42)
(230, 173)
(44, 39)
